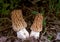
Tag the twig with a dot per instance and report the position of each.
(28, 16)
(5, 18)
(11, 37)
(5, 28)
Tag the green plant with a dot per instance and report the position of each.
(57, 8)
(44, 22)
(54, 6)
(50, 37)
(7, 5)
(34, 12)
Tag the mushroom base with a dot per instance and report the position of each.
(23, 34)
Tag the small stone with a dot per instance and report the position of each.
(58, 36)
(3, 39)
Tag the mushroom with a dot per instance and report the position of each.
(36, 27)
(18, 24)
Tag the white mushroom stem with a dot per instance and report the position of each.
(19, 24)
(36, 26)
(23, 34)
(34, 34)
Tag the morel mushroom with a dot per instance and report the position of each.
(18, 24)
(36, 26)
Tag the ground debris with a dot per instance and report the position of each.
(58, 36)
(3, 39)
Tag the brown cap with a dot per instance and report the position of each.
(37, 24)
(18, 22)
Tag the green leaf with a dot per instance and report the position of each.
(11, 6)
(42, 10)
(44, 22)
(34, 12)
(1, 1)
(5, 12)
(5, 5)
(50, 37)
